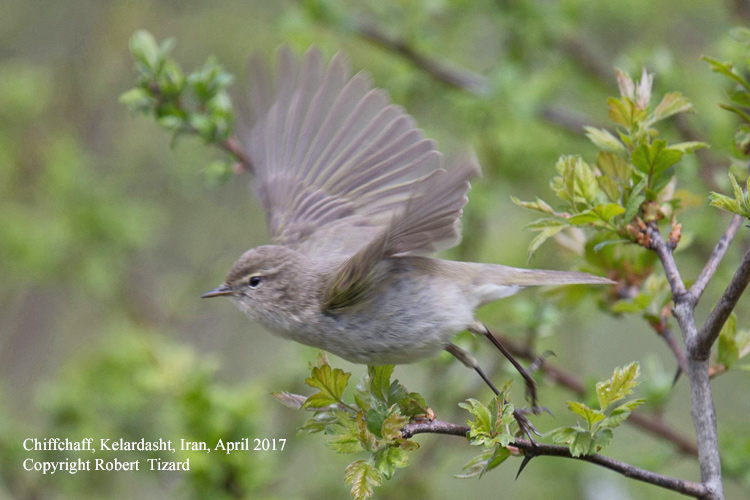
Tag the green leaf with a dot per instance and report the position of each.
(620, 385)
(331, 385)
(538, 205)
(484, 462)
(601, 439)
(727, 69)
(412, 404)
(604, 140)
(392, 425)
(725, 203)
(483, 420)
(613, 166)
(138, 100)
(610, 187)
(672, 104)
(727, 351)
(689, 147)
(581, 443)
(635, 199)
(583, 218)
(609, 211)
(375, 421)
(540, 224)
(619, 414)
(389, 459)
(655, 159)
(380, 381)
(592, 416)
(362, 477)
(345, 443)
(144, 50)
(543, 236)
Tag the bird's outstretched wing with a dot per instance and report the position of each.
(342, 172)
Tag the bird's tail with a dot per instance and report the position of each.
(494, 281)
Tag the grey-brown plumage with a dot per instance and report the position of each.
(355, 196)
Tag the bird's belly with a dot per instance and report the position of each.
(402, 326)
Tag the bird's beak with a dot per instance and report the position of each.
(222, 289)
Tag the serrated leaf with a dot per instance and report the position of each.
(484, 462)
(689, 146)
(538, 205)
(610, 187)
(613, 166)
(544, 223)
(609, 211)
(389, 459)
(345, 444)
(671, 104)
(726, 69)
(583, 218)
(604, 140)
(380, 380)
(331, 385)
(635, 199)
(362, 477)
(620, 385)
(592, 416)
(375, 419)
(725, 203)
(543, 236)
(601, 439)
(581, 443)
(619, 414)
(413, 404)
(586, 181)
(482, 422)
(564, 435)
(655, 159)
(392, 425)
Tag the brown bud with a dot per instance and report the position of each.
(675, 235)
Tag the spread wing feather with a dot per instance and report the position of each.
(343, 174)
(337, 164)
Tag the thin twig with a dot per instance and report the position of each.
(658, 245)
(539, 449)
(689, 488)
(232, 146)
(713, 262)
(710, 330)
(462, 79)
(652, 424)
(434, 427)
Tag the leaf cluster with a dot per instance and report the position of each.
(629, 182)
(372, 424)
(596, 433)
(194, 104)
(490, 430)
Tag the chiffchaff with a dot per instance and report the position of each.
(355, 196)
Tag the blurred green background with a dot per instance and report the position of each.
(108, 236)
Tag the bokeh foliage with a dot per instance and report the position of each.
(107, 237)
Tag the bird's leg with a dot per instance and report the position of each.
(470, 362)
(481, 328)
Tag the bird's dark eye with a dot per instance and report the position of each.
(255, 281)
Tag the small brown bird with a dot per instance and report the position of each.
(355, 196)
